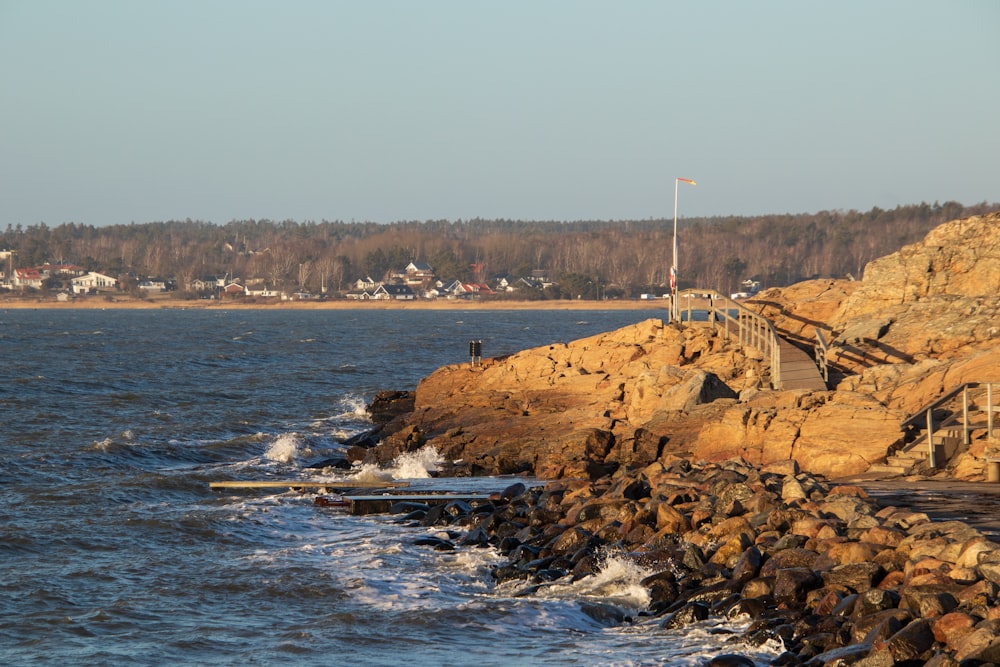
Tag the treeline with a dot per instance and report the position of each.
(599, 258)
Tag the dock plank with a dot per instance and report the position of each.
(303, 484)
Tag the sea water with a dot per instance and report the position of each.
(115, 551)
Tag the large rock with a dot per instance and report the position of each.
(922, 322)
(935, 299)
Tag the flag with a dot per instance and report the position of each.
(687, 180)
(673, 279)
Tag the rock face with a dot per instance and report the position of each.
(922, 321)
(936, 299)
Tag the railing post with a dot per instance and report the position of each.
(989, 413)
(965, 415)
(930, 437)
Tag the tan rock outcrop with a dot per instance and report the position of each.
(923, 321)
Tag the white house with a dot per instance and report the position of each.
(93, 282)
(397, 292)
(264, 292)
(24, 278)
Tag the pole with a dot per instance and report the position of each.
(673, 267)
(674, 314)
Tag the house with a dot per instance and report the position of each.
(366, 283)
(28, 279)
(419, 274)
(396, 292)
(263, 292)
(475, 290)
(234, 290)
(48, 270)
(208, 284)
(152, 285)
(93, 282)
(359, 294)
(444, 289)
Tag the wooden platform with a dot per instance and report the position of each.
(304, 484)
(798, 369)
(382, 504)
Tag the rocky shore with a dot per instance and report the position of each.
(666, 443)
(832, 575)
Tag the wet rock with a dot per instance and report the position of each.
(436, 543)
(912, 642)
(690, 613)
(792, 584)
(730, 660)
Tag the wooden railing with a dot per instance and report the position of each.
(926, 414)
(821, 351)
(748, 328)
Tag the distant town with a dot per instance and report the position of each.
(416, 281)
(267, 261)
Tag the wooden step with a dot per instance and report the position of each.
(890, 469)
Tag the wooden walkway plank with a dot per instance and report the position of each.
(304, 484)
(798, 370)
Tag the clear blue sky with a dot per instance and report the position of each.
(119, 111)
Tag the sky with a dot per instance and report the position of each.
(122, 111)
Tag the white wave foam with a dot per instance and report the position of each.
(102, 445)
(353, 406)
(285, 448)
(618, 580)
(410, 465)
(417, 465)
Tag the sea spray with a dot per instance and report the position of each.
(285, 448)
(617, 580)
(420, 464)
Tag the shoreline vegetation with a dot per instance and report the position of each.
(126, 302)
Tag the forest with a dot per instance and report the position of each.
(584, 259)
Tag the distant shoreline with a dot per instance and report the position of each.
(157, 303)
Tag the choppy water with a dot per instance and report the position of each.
(113, 549)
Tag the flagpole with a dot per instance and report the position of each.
(673, 265)
(674, 283)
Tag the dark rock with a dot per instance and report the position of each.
(912, 642)
(730, 660)
(338, 462)
(857, 577)
(875, 600)
(476, 537)
(788, 558)
(690, 613)
(387, 405)
(436, 542)
(927, 602)
(405, 506)
(791, 584)
(842, 655)
(637, 490)
(879, 626)
(748, 565)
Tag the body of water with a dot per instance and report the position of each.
(115, 550)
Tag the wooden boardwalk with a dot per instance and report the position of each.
(798, 369)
